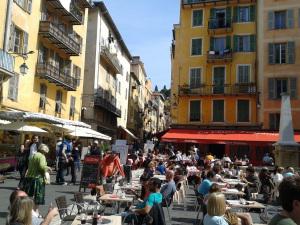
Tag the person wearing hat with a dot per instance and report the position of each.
(34, 184)
(95, 150)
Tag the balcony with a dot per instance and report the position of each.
(191, 3)
(219, 57)
(6, 64)
(85, 3)
(54, 75)
(226, 89)
(59, 38)
(111, 59)
(101, 100)
(219, 26)
(74, 16)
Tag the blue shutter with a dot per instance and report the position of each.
(235, 43)
(293, 87)
(228, 42)
(271, 53)
(252, 43)
(272, 91)
(290, 18)
(252, 13)
(291, 52)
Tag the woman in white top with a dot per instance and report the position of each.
(216, 208)
(277, 178)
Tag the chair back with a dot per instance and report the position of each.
(108, 188)
(78, 196)
(157, 213)
(61, 203)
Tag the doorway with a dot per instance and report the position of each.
(217, 149)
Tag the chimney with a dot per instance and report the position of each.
(286, 130)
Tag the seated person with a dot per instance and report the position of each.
(161, 168)
(170, 187)
(204, 187)
(252, 182)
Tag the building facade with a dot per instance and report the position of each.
(160, 114)
(214, 64)
(49, 37)
(278, 59)
(106, 83)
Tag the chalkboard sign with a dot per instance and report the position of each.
(90, 172)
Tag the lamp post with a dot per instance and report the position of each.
(24, 68)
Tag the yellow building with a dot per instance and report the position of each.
(49, 37)
(214, 64)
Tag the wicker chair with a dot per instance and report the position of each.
(65, 213)
(87, 206)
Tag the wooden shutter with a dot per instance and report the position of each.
(252, 43)
(11, 87)
(235, 14)
(25, 42)
(228, 15)
(290, 18)
(16, 87)
(271, 17)
(212, 44)
(212, 13)
(272, 87)
(291, 52)
(235, 43)
(228, 42)
(29, 6)
(271, 53)
(293, 87)
(252, 13)
(12, 37)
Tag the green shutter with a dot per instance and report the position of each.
(252, 43)
(291, 52)
(200, 18)
(212, 13)
(290, 18)
(235, 14)
(271, 53)
(293, 87)
(197, 18)
(25, 42)
(271, 17)
(272, 92)
(252, 13)
(228, 42)
(212, 42)
(235, 43)
(228, 16)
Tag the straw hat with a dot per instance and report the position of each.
(43, 148)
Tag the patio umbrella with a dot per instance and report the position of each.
(21, 127)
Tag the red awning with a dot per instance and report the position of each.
(221, 136)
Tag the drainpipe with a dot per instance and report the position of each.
(7, 24)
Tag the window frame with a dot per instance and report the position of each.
(241, 40)
(191, 47)
(192, 18)
(43, 96)
(237, 73)
(237, 110)
(239, 13)
(58, 101)
(275, 114)
(189, 112)
(200, 77)
(224, 110)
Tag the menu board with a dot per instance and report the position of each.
(90, 172)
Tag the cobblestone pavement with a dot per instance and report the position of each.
(180, 214)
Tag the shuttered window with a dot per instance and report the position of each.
(195, 78)
(244, 43)
(274, 121)
(243, 110)
(196, 47)
(281, 19)
(277, 86)
(43, 96)
(197, 19)
(72, 106)
(195, 109)
(24, 4)
(13, 87)
(282, 53)
(77, 74)
(218, 110)
(243, 74)
(18, 40)
(58, 101)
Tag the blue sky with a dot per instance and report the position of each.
(146, 27)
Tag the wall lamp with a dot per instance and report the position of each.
(24, 68)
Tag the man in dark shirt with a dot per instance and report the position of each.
(252, 182)
(95, 150)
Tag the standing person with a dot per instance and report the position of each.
(95, 150)
(63, 160)
(277, 179)
(34, 145)
(289, 194)
(21, 212)
(76, 156)
(23, 159)
(68, 151)
(34, 184)
(57, 148)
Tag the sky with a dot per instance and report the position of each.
(146, 27)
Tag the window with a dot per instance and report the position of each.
(218, 80)
(220, 18)
(282, 53)
(196, 46)
(58, 102)
(243, 14)
(43, 96)
(25, 4)
(195, 78)
(219, 44)
(245, 43)
(281, 19)
(195, 110)
(197, 18)
(218, 110)
(282, 85)
(13, 87)
(18, 40)
(72, 106)
(243, 110)
(243, 76)
(76, 74)
(274, 121)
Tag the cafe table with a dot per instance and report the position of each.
(114, 220)
(232, 192)
(248, 205)
(116, 198)
(161, 177)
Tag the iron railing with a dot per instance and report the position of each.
(102, 100)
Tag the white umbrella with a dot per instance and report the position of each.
(87, 132)
(22, 127)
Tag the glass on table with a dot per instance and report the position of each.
(83, 218)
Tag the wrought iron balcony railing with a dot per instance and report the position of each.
(217, 56)
(54, 75)
(59, 38)
(102, 100)
(226, 89)
(111, 59)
